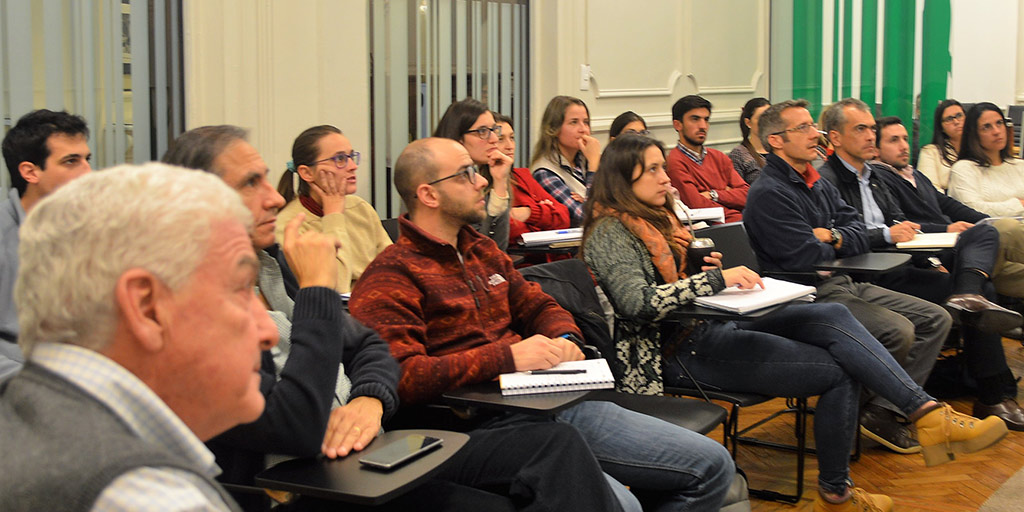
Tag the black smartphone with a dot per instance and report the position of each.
(399, 452)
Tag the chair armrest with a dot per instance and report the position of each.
(867, 263)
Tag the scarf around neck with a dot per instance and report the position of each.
(658, 247)
(310, 204)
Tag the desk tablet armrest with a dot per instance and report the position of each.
(870, 262)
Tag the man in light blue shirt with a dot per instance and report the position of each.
(43, 151)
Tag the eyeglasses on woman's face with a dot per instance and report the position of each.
(341, 159)
(484, 132)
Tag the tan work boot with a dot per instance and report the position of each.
(943, 432)
(860, 501)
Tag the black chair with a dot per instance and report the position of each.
(391, 226)
(570, 284)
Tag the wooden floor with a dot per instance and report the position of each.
(960, 485)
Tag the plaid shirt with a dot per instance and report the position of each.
(146, 488)
(697, 159)
(554, 185)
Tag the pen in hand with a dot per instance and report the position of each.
(557, 372)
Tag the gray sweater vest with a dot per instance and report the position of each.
(61, 447)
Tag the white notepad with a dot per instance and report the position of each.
(554, 235)
(775, 291)
(597, 376)
(930, 241)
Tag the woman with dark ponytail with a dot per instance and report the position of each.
(748, 157)
(324, 165)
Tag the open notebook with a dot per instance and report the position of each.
(740, 301)
(930, 241)
(597, 375)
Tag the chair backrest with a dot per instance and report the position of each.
(569, 282)
(391, 226)
(731, 240)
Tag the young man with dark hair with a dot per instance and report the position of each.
(937, 212)
(43, 151)
(704, 177)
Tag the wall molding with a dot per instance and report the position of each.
(673, 78)
(728, 89)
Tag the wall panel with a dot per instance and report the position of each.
(645, 55)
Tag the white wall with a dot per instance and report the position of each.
(985, 42)
(278, 68)
(644, 55)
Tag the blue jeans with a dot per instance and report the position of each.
(688, 471)
(801, 350)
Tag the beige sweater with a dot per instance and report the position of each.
(358, 229)
(995, 190)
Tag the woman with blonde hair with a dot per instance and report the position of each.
(566, 155)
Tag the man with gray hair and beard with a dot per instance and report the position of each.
(143, 339)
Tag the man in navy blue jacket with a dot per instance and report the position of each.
(795, 220)
(937, 212)
(922, 203)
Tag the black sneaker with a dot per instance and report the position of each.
(883, 427)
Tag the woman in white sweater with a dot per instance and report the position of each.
(936, 158)
(987, 177)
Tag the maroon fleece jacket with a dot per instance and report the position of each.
(450, 322)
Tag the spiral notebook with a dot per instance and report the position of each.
(596, 375)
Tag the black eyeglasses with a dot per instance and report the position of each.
(485, 131)
(958, 117)
(341, 159)
(468, 171)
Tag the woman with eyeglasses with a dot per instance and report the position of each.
(533, 209)
(987, 177)
(748, 157)
(326, 165)
(936, 158)
(566, 155)
(636, 248)
(627, 122)
(470, 123)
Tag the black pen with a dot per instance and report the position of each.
(556, 372)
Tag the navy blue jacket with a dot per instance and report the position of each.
(782, 212)
(924, 204)
(299, 404)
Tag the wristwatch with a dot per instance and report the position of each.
(714, 195)
(836, 237)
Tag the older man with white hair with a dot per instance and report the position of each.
(143, 338)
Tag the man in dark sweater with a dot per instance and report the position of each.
(455, 311)
(922, 203)
(331, 382)
(937, 212)
(795, 220)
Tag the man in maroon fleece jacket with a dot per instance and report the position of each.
(455, 312)
(704, 177)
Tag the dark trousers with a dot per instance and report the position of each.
(976, 249)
